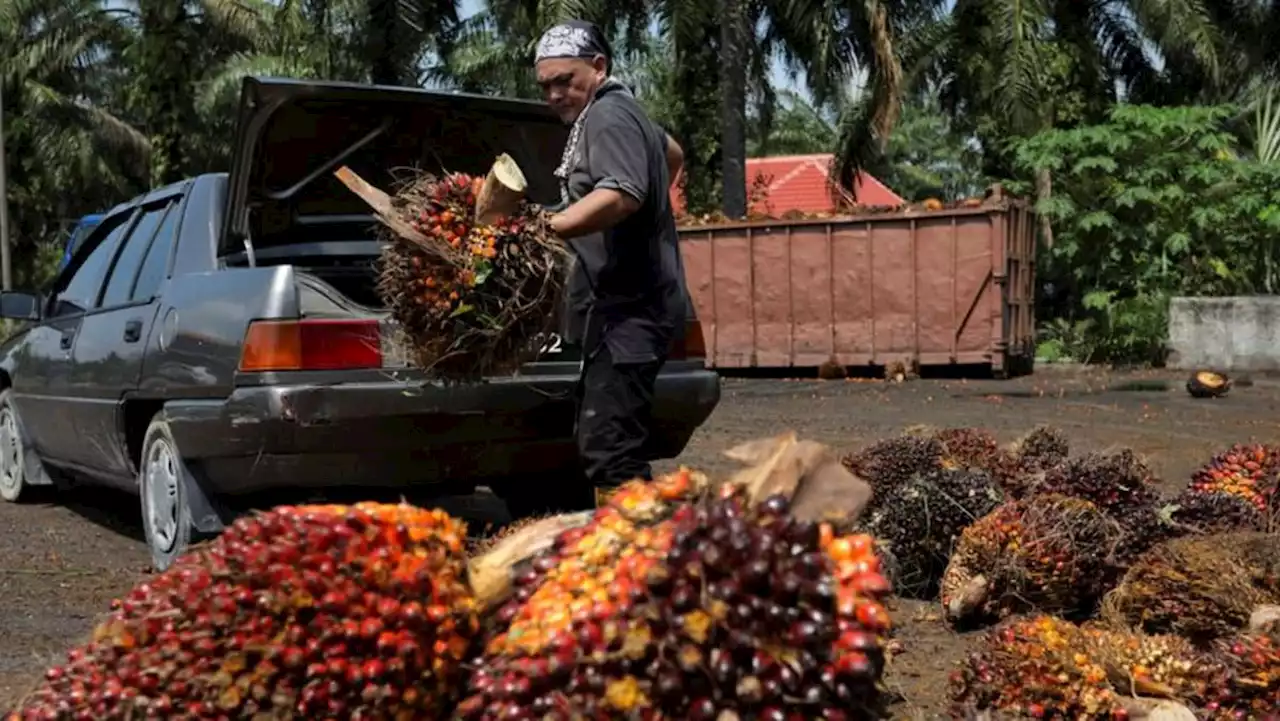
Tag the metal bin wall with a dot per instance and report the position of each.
(945, 287)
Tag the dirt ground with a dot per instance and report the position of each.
(64, 559)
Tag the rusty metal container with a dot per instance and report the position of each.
(946, 287)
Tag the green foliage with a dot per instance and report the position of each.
(1153, 203)
(927, 157)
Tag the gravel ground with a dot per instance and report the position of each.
(63, 559)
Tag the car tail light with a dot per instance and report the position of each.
(298, 345)
(691, 344)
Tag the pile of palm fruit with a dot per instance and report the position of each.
(765, 597)
(1183, 596)
(301, 612)
(678, 598)
(932, 484)
(689, 611)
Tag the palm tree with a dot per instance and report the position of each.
(398, 32)
(837, 43)
(66, 153)
(1009, 69)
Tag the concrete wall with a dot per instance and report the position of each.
(1238, 333)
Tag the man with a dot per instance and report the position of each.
(627, 287)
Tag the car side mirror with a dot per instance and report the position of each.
(16, 305)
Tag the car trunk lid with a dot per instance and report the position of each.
(291, 135)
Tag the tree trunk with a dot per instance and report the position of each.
(383, 48)
(166, 61)
(1044, 189)
(697, 102)
(733, 90)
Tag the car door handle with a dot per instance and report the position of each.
(65, 342)
(132, 331)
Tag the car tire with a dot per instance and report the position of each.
(163, 479)
(13, 452)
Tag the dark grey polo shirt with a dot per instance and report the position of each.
(630, 278)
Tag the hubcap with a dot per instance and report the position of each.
(162, 495)
(10, 453)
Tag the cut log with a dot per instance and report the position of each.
(503, 189)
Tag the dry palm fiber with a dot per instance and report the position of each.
(471, 298)
(891, 462)
(1047, 553)
(1200, 587)
(301, 612)
(1250, 471)
(1247, 685)
(921, 519)
(1045, 667)
(674, 604)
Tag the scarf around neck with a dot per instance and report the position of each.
(611, 84)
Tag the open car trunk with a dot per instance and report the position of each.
(284, 205)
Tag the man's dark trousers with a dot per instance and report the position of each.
(614, 416)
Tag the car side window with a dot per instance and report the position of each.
(78, 292)
(129, 259)
(156, 263)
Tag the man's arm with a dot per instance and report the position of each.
(675, 159)
(598, 210)
(619, 163)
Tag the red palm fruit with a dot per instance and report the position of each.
(1250, 471)
(1045, 667)
(1045, 552)
(292, 612)
(673, 603)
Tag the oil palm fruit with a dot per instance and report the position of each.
(1047, 552)
(662, 607)
(355, 612)
(921, 520)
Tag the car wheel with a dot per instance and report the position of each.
(13, 459)
(162, 485)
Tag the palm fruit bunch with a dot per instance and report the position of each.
(921, 519)
(715, 608)
(977, 449)
(1117, 483)
(469, 298)
(1045, 667)
(1214, 512)
(1248, 684)
(1199, 587)
(891, 462)
(1250, 471)
(1046, 552)
(1041, 449)
(357, 612)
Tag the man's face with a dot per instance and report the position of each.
(569, 83)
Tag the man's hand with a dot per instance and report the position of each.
(599, 210)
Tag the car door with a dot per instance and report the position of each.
(106, 359)
(47, 405)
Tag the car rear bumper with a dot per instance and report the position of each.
(393, 434)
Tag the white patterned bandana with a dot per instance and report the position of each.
(574, 39)
(567, 41)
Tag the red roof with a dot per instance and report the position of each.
(799, 183)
